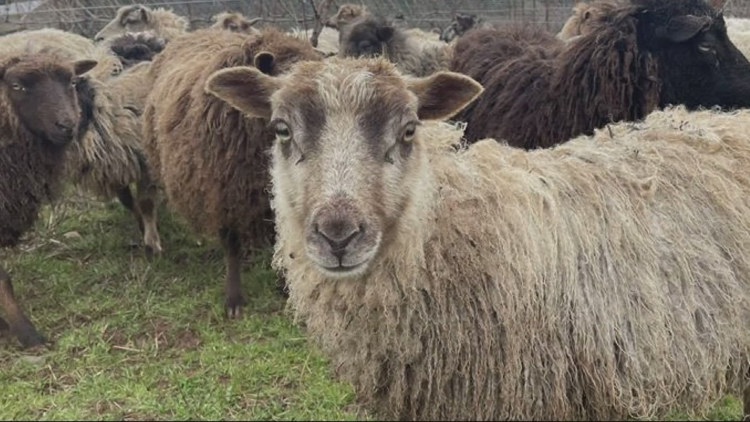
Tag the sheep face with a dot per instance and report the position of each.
(365, 37)
(458, 26)
(42, 93)
(347, 157)
(699, 65)
(346, 14)
(235, 22)
(135, 18)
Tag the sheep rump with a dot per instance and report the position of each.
(601, 279)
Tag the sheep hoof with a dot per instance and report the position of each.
(29, 337)
(152, 252)
(233, 307)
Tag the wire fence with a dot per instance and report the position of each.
(87, 17)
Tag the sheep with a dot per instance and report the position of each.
(372, 35)
(139, 18)
(602, 279)
(346, 14)
(135, 47)
(647, 55)
(459, 25)
(108, 159)
(234, 22)
(207, 157)
(588, 15)
(39, 121)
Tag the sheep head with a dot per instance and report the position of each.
(348, 157)
(41, 91)
(134, 18)
(698, 64)
(346, 14)
(235, 22)
(365, 37)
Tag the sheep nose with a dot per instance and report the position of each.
(339, 234)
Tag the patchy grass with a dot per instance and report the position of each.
(134, 340)
(137, 340)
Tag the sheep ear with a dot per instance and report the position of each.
(82, 66)
(252, 22)
(444, 94)
(682, 28)
(264, 62)
(144, 13)
(245, 88)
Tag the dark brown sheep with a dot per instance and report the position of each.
(40, 118)
(650, 53)
(414, 53)
(210, 159)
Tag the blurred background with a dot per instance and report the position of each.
(86, 17)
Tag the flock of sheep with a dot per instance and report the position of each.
(494, 222)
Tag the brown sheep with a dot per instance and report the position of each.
(108, 159)
(40, 118)
(649, 54)
(235, 22)
(209, 158)
(139, 18)
(605, 279)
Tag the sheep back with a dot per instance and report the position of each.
(540, 99)
(210, 159)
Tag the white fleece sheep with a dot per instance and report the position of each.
(606, 278)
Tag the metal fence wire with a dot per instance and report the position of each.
(86, 17)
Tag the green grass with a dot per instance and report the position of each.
(134, 340)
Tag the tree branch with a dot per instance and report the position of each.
(321, 16)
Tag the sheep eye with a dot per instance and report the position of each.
(409, 133)
(705, 47)
(74, 82)
(283, 133)
(17, 87)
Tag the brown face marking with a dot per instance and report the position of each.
(306, 104)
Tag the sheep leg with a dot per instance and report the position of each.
(746, 401)
(19, 324)
(233, 299)
(147, 197)
(126, 199)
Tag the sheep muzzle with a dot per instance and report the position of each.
(340, 239)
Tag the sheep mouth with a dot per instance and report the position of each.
(341, 271)
(344, 268)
